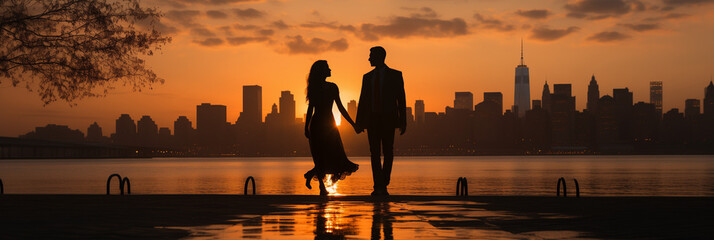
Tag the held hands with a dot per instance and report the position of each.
(357, 128)
(402, 130)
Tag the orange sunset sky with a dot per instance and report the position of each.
(441, 47)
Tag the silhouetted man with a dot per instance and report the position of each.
(382, 108)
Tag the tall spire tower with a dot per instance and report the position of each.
(522, 52)
(522, 96)
(593, 95)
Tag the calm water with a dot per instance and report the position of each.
(502, 175)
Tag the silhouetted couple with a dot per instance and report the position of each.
(381, 110)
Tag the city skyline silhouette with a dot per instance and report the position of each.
(611, 123)
(522, 91)
(215, 51)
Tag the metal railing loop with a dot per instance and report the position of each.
(462, 187)
(109, 181)
(122, 183)
(125, 182)
(245, 188)
(565, 192)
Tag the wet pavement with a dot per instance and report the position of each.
(352, 217)
(377, 220)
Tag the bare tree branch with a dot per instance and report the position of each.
(71, 49)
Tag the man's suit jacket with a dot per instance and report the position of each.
(394, 107)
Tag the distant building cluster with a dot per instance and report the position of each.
(552, 125)
(610, 123)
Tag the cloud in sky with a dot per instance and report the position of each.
(156, 24)
(597, 9)
(298, 45)
(545, 33)
(265, 32)
(248, 13)
(329, 25)
(202, 32)
(490, 22)
(668, 16)
(185, 18)
(184, 3)
(424, 12)
(241, 24)
(608, 36)
(677, 3)
(237, 41)
(227, 30)
(642, 27)
(280, 24)
(405, 27)
(215, 14)
(534, 13)
(209, 42)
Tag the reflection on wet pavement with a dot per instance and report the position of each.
(375, 220)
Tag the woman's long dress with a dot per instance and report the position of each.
(328, 154)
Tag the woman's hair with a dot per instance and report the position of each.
(316, 76)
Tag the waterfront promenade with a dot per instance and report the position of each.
(435, 217)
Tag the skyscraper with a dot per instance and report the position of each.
(252, 105)
(125, 130)
(147, 131)
(692, 109)
(656, 96)
(563, 89)
(183, 130)
(522, 96)
(419, 112)
(55, 132)
(563, 115)
(210, 122)
(495, 97)
(545, 98)
(464, 100)
(352, 109)
(622, 96)
(606, 121)
(287, 107)
(623, 112)
(536, 104)
(164, 137)
(94, 133)
(593, 95)
(709, 101)
(645, 122)
(273, 117)
(410, 116)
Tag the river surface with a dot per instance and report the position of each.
(487, 175)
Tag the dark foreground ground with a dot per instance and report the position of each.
(138, 216)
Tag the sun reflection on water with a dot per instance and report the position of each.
(380, 220)
(331, 186)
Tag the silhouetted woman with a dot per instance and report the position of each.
(328, 154)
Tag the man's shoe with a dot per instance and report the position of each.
(375, 193)
(385, 193)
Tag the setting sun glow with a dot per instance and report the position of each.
(441, 47)
(331, 186)
(338, 116)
